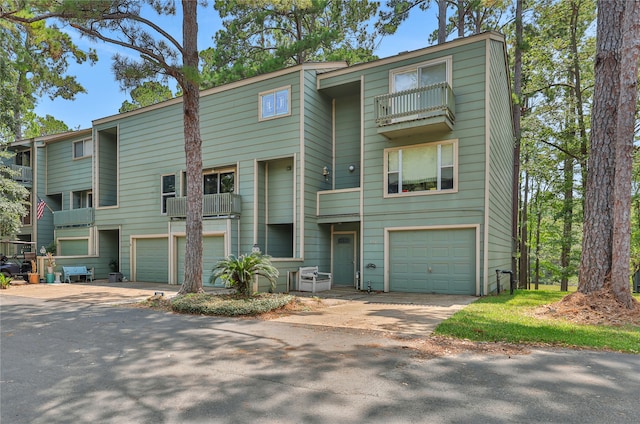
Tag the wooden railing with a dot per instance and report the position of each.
(73, 217)
(23, 173)
(417, 103)
(224, 204)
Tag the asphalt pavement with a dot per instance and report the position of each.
(73, 361)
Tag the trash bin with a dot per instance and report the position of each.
(115, 277)
(636, 282)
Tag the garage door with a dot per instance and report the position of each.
(432, 261)
(151, 260)
(212, 252)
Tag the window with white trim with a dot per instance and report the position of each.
(274, 103)
(421, 75)
(421, 169)
(81, 199)
(82, 149)
(214, 181)
(168, 190)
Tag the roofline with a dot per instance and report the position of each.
(52, 137)
(320, 66)
(493, 35)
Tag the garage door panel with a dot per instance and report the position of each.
(212, 252)
(152, 260)
(449, 253)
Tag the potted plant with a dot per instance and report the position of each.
(51, 263)
(240, 272)
(34, 277)
(113, 265)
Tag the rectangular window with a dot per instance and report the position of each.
(82, 149)
(275, 103)
(82, 199)
(218, 182)
(421, 75)
(425, 168)
(168, 190)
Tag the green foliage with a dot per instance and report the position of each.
(210, 304)
(149, 93)
(262, 36)
(239, 272)
(507, 318)
(13, 198)
(5, 282)
(37, 59)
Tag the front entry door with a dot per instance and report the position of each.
(344, 260)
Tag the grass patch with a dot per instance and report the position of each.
(510, 318)
(229, 305)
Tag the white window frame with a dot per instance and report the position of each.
(166, 195)
(86, 142)
(281, 103)
(439, 165)
(448, 60)
(86, 199)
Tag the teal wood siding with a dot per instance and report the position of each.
(65, 174)
(464, 207)
(318, 154)
(280, 191)
(501, 166)
(347, 142)
(107, 151)
(73, 247)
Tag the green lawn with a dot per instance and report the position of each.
(508, 318)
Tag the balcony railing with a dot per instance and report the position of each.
(417, 103)
(73, 217)
(23, 173)
(224, 204)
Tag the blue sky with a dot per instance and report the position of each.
(104, 97)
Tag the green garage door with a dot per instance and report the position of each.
(433, 261)
(212, 252)
(151, 260)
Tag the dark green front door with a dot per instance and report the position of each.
(344, 262)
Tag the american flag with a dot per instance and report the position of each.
(40, 208)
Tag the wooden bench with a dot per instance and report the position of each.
(76, 271)
(309, 279)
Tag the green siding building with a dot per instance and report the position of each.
(393, 175)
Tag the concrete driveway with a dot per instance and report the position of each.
(407, 314)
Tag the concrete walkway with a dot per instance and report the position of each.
(408, 314)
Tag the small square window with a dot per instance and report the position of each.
(82, 149)
(275, 103)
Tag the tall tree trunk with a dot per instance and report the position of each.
(517, 116)
(630, 47)
(442, 21)
(461, 15)
(595, 261)
(567, 217)
(538, 222)
(524, 242)
(193, 150)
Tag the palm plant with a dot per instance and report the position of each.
(239, 272)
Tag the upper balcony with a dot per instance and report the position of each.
(338, 205)
(73, 217)
(220, 205)
(414, 111)
(23, 174)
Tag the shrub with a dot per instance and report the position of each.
(239, 272)
(229, 305)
